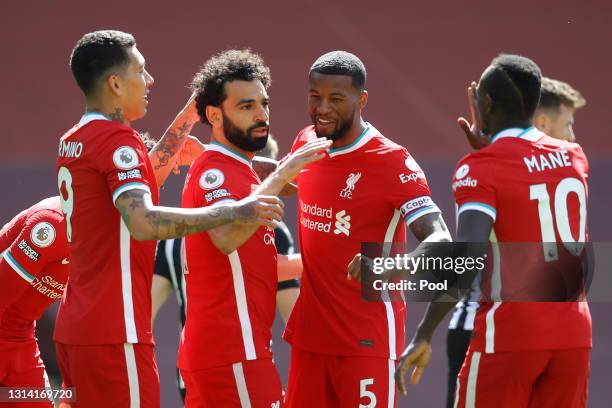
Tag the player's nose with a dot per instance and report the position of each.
(149, 79)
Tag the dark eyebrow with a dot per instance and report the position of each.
(243, 101)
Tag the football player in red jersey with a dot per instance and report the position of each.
(368, 189)
(33, 275)
(231, 271)
(109, 193)
(555, 113)
(521, 186)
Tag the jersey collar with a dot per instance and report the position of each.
(218, 147)
(361, 140)
(91, 116)
(531, 133)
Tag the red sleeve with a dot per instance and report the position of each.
(473, 186)
(408, 190)
(42, 241)
(124, 163)
(213, 183)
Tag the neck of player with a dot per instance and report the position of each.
(221, 139)
(351, 135)
(110, 109)
(496, 125)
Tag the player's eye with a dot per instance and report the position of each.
(245, 107)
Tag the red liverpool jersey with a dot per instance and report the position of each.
(231, 299)
(368, 191)
(33, 268)
(108, 297)
(535, 189)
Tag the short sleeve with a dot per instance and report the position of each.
(124, 163)
(215, 182)
(473, 186)
(42, 241)
(409, 191)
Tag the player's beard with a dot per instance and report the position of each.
(244, 139)
(343, 127)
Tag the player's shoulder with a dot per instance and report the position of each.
(304, 136)
(46, 223)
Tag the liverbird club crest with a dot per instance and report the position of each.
(351, 180)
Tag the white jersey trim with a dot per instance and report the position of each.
(485, 208)
(219, 148)
(370, 132)
(132, 373)
(391, 385)
(470, 392)
(17, 268)
(243, 392)
(90, 117)
(388, 242)
(126, 283)
(242, 306)
(129, 186)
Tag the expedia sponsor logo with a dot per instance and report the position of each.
(129, 175)
(405, 178)
(28, 251)
(462, 171)
(415, 204)
(70, 149)
(466, 182)
(213, 195)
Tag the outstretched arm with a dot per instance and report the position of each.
(230, 237)
(474, 229)
(146, 221)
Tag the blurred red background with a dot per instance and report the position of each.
(420, 57)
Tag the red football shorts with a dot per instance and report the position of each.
(318, 380)
(253, 383)
(21, 366)
(524, 379)
(110, 375)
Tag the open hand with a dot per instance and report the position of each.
(473, 131)
(417, 354)
(258, 210)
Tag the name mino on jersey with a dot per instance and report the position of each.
(70, 149)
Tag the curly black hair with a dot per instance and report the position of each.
(227, 66)
(96, 53)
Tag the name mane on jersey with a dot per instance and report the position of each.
(70, 149)
(547, 161)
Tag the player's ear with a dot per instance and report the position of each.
(487, 105)
(113, 83)
(214, 116)
(363, 99)
(542, 122)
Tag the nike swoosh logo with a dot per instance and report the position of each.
(65, 261)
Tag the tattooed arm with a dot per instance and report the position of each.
(166, 152)
(146, 221)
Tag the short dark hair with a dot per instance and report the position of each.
(227, 66)
(341, 63)
(554, 93)
(513, 82)
(96, 53)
